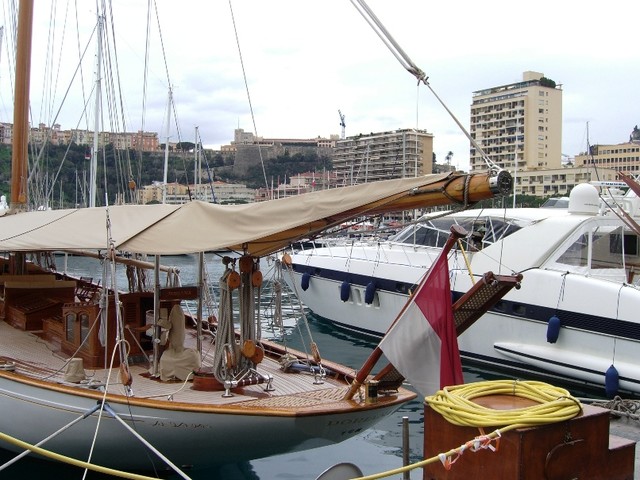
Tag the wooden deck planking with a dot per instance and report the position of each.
(45, 363)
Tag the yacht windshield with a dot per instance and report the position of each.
(483, 231)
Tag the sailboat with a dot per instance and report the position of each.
(97, 376)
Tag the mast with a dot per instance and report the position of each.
(196, 169)
(93, 180)
(19, 192)
(166, 148)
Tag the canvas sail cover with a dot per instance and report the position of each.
(259, 228)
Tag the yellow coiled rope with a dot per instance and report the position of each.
(553, 404)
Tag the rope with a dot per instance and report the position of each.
(72, 461)
(408, 64)
(454, 404)
(225, 332)
(618, 406)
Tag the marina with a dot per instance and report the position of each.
(153, 361)
(376, 450)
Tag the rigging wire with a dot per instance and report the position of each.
(40, 197)
(126, 172)
(246, 85)
(145, 75)
(80, 57)
(414, 70)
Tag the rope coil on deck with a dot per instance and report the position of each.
(455, 404)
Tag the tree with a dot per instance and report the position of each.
(185, 146)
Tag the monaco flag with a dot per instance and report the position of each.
(422, 343)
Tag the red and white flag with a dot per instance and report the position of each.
(422, 343)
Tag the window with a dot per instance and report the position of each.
(84, 326)
(630, 246)
(576, 254)
(69, 326)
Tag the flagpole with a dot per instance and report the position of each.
(457, 232)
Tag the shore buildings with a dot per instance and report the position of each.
(518, 125)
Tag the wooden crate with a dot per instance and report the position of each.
(578, 448)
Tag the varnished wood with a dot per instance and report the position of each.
(579, 448)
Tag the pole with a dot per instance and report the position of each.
(156, 315)
(166, 149)
(405, 447)
(18, 200)
(93, 175)
(201, 287)
(456, 232)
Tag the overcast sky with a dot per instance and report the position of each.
(306, 59)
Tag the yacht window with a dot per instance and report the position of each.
(498, 228)
(630, 247)
(577, 253)
(603, 256)
(433, 233)
(605, 247)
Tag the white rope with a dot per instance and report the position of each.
(225, 333)
(416, 71)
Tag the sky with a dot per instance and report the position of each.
(285, 68)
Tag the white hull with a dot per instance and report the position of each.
(192, 423)
(579, 353)
(598, 310)
(187, 438)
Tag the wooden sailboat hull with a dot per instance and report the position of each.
(189, 437)
(212, 430)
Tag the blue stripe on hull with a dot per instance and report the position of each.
(589, 323)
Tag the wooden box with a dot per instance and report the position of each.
(578, 448)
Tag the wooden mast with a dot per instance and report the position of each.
(21, 108)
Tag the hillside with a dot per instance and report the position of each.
(63, 172)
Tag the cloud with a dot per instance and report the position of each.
(302, 61)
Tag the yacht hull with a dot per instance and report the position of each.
(598, 324)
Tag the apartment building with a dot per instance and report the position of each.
(624, 157)
(519, 125)
(145, 141)
(216, 192)
(557, 182)
(381, 156)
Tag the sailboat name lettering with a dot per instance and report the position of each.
(352, 421)
(193, 426)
